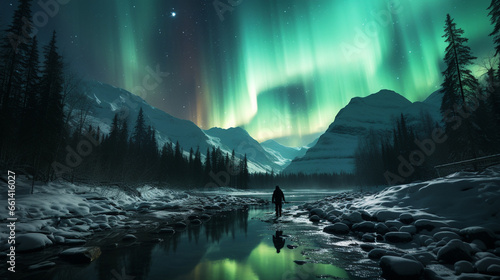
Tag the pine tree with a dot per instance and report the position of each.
(494, 13)
(14, 52)
(139, 135)
(27, 137)
(459, 87)
(51, 125)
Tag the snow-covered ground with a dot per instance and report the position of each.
(65, 213)
(447, 228)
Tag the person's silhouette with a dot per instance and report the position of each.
(278, 199)
(279, 242)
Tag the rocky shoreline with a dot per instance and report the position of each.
(410, 243)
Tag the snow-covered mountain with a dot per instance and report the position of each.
(106, 100)
(334, 151)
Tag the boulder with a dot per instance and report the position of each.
(337, 228)
(400, 268)
(394, 223)
(368, 237)
(493, 269)
(365, 226)
(410, 229)
(42, 265)
(166, 231)
(315, 219)
(482, 265)
(406, 218)
(81, 254)
(381, 228)
(180, 225)
(463, 267)
(195, 222)
(384, 215)
(484, 234)
(378, 253)
(446, 235)
(318, 212)
(367, 247)
(429, 225)
(424, 257)
(454, 251)
(398, 237)
(129, 237)
(353, 217)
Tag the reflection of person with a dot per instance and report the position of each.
(279, 242)
(278, 196)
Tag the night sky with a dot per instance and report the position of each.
(278, 68)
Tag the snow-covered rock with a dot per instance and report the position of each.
(32, 241)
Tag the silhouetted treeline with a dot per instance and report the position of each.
(32, 123)
(44, 130)
(301, 180)
(118, 157)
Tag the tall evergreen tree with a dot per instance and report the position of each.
(494, 13)
(14, 53)
(51, 121)
(139, 135)
(459, 87)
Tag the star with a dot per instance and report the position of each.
(173, 14)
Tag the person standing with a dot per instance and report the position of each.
(278, 200)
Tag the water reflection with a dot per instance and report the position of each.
(234, 245)
(278, 241)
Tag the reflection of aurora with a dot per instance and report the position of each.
(263, 263)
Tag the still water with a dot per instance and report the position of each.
(238, 245)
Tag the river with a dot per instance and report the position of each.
(243, 244)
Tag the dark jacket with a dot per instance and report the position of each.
(278, 196)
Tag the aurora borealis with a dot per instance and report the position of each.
(281, 69)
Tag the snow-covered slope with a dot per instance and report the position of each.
(335, 149)
(107, 100)
(268, 155)
(284, 153)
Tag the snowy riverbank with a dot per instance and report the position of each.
(70, 214)
(447, 228)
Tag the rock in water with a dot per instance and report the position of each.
(400, 268)
(81, 254)
(337, 228)
(315, 219)
(129, 237)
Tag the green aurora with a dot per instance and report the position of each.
(280, 69)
